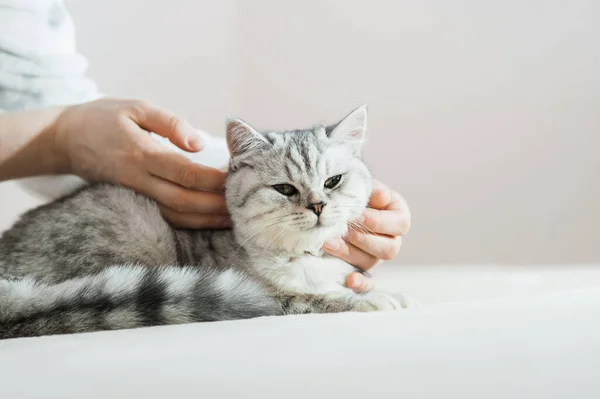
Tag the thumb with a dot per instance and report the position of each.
(170, 126)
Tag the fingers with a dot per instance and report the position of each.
(388, 222)
(399, 206)
(359, 282)
(381, 196)
(381, 247)
(350, 253)
(387, 219)
(195, 220)
(181, 199)
(180, 170)
(182, 207)
(388, 213)
(167, 124)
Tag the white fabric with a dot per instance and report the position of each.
(39, 63)
(537, 347)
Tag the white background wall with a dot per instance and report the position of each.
(484, 115)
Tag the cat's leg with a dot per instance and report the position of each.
(407, 301)
(371, 302)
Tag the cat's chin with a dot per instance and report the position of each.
(311, 241)
(294, 243)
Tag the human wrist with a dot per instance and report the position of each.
(37, 150)
(61, 132)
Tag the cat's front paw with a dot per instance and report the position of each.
(376, 302)
(407, 301)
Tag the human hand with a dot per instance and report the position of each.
(109, 140)
(374, 237)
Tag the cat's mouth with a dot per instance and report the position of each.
(321, 223)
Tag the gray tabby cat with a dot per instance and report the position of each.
(103, 258)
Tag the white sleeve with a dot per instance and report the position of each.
(39, 62)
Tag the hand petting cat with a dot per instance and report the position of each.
(108, 140)
(375, 237)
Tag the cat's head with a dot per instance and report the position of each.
(291, 191)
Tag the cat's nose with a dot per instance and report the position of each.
(317, 207)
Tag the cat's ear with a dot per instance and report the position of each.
(352, 128)
(241, 137)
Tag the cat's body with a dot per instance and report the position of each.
(104, 258)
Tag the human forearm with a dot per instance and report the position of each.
(27, 144)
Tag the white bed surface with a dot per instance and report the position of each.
(539, 339)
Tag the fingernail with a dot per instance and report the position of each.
(194, 138)
(357, 285)
(332, 244)
(195, 141)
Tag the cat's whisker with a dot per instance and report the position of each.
(357, 228)
(277, 236)
(258, 230)
(272, 240)
(282, 217)
(278, 220)
(363, 226)
(261, 214)
(273, 218)
(232, 257)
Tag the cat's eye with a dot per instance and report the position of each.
(285, 189)
(333, 181)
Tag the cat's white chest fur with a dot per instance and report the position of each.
(309, 274)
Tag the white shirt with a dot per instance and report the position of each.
(39, 62)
